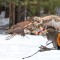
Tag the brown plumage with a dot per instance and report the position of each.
(19, 28)
(21, 24)
(50, 17)
(53, 21)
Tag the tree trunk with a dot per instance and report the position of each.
(10, 15)
(13, 13)
(18, 13)
(25, 13)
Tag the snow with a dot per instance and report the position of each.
(18, 47)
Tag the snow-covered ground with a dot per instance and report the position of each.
(19, 47)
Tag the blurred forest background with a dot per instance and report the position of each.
(20, 10)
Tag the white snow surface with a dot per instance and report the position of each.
(18, 47)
